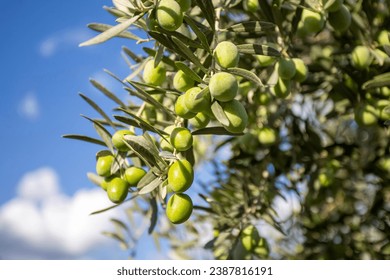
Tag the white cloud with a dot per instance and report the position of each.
(29, 106)
(61, 40)
(41, 222)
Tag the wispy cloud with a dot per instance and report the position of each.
(29, 107)
(62, 40)
(42, 222)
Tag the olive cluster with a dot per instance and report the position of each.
(117, 182)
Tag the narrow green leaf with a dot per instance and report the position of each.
(115, 12)
(117, 237)
(204, 91)
(132, 55)
(112, 32)
(198, 33)
(246, 74)
(100, 27)
(214, 130)
(187, 41)
(257, 49)
(144, 147)
(378, 81)
(103, 133)
(98, 109)
(96, 179)
(149, 99)
(113, 206)
(140, 122)
(219, 113)
(159, 55)
(148, 178)
(252, 27)
(190, 55)
(141, 152)
(106, 92)
(153, 217)
(85, 139)
(120, 224)
(150, 187)
(207, 8)
(183, 67)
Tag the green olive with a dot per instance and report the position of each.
(301, 70)
(201, 120)
(118, 140)
(181, 109)
(361, 57)
(103, 165)
(182, 82)
(236, 114)
(311, 22)
(251, 5)
(265, 60)
(223, 86)
(180, 175)
(169, 15)
(267, 136)
(179, 208)
(117, 190)
(282, 88)
(366, 115)
(341, 19)
(226, 54)
(181, 139)
(185, 5)
(154, 75)
(196, 103)
(133, 175)
(286, 68)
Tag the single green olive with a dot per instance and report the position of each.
(301, 70)
(226, 54)
(223, 86)
(182, 82)
(165, 145)
(341, 19)
(103, 165)
(286, 68)
(133, 175)
(169, 15)
(267, 136)
(282, 88)
(181, 139)
(118, 140)
(236, 115)
(181, 109)
(180, 175)
(179, 208)
(154, 75)
(366, 115)
(117, 190)
(196, 103)
(361, 57)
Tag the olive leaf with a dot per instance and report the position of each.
(154, 215)
(150, 187)
(252, 27)
(219, 113)
(98, 109)
(378, 81)
(106, 92)
(188, 71)
(102, 132)
(257, 49)
(96, 179)
(202, 37)
(143, 149)
(100, 27)
(148, 178)
(132, 55)
(113, 206)
(216, 130)
(85, 139)
(189, 54)
(112, 32)
(246, 74)
(117, 237)
(207, 8)
(164, 59)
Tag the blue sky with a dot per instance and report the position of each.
(42, 71)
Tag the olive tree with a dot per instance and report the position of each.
(285, 100)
